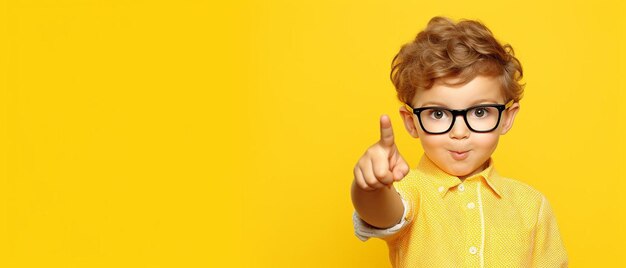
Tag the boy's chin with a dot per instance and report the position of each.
(463, 171)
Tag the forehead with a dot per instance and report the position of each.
(481, 89)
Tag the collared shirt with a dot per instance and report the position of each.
(485, 221)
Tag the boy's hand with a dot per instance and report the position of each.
(381, 164)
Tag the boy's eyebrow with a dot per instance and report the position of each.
(483, 101)
(478, 102)
(432, 103)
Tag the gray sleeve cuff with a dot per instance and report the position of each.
(364, 231)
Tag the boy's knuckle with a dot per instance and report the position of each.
(378, 172)
(362, 162)
(362, 184)
(374, 183)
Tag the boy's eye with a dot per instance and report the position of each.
(480, 112)
(437, 114)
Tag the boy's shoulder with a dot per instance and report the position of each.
(515, 189)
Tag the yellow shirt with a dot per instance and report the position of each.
(485, 221)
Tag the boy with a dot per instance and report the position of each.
(461, 91)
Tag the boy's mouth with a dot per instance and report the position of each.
(459, 155)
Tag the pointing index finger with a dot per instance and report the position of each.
(386, 131)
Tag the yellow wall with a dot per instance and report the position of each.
(201, 134)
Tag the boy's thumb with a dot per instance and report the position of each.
(400, 170)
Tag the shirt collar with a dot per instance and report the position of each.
(446, 181)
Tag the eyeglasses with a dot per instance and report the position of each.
(481, 118)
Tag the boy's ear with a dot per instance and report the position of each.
(409, 121)
(508, 117)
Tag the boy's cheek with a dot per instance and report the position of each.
(488, 141)
(431, 142)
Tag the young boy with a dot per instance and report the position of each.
(461, 91)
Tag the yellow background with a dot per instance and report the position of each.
(216, 134)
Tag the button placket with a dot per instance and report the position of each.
(469, 204)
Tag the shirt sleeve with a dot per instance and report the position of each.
(365, 231)
(549, 250)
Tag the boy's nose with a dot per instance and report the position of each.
(459, 130)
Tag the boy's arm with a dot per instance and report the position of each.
(549, 250)
(374, 198)
(381, 208)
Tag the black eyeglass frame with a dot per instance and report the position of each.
(455, 113)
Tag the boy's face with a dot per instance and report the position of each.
(460, 152)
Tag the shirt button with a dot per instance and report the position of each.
(473, 250)
(461, 187)
(471, 205)
(440, 189)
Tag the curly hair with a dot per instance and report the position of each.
(448, 50)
